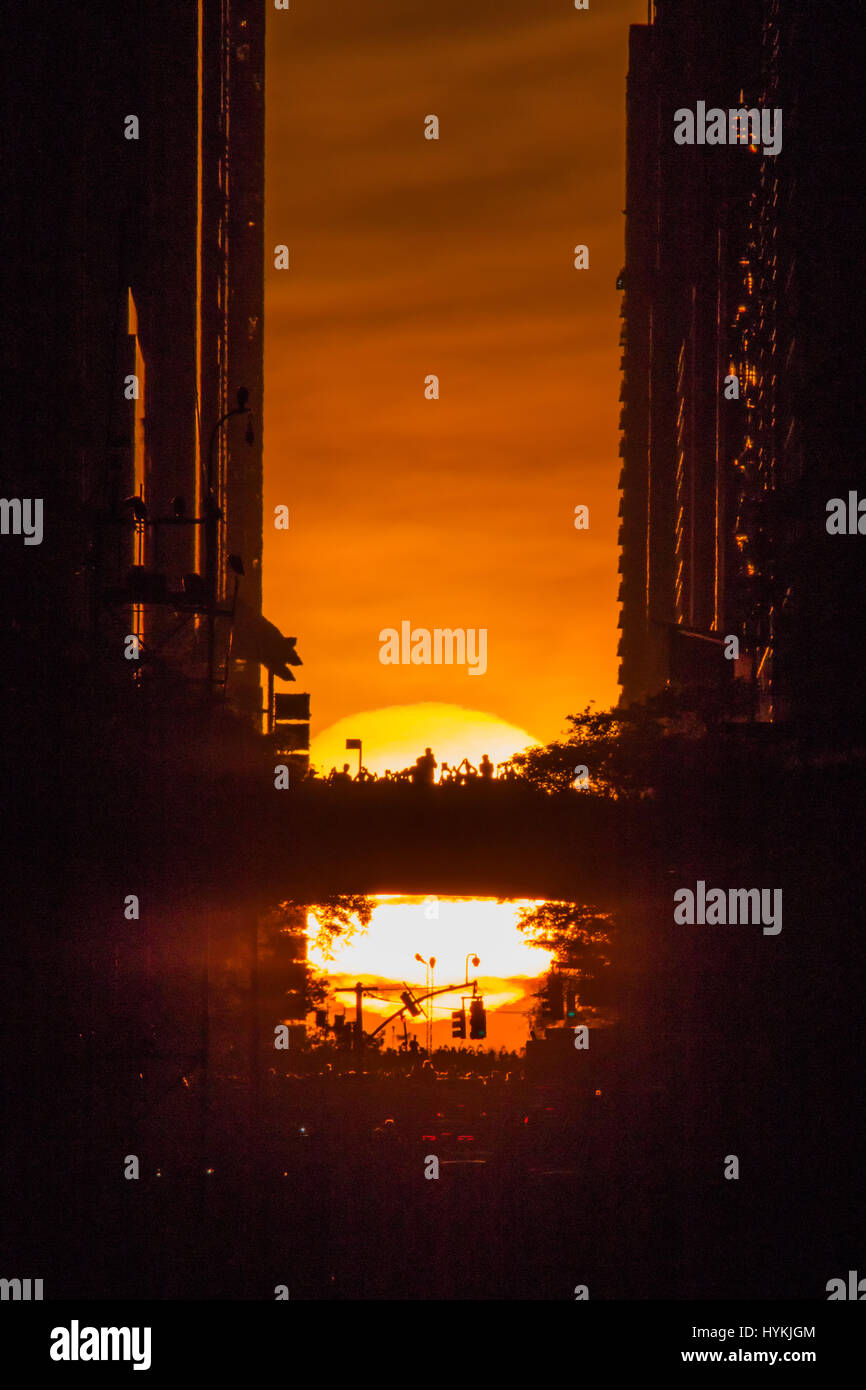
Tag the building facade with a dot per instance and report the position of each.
(134, 245)
(738, 415)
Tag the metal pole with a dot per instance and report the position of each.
(359, 1021)
(401, 1013)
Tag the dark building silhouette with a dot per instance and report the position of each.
(132, 301)
(133, 245)
(738, 264)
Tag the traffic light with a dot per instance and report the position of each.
(551, 1006)
(477, 1019)
(411, 1004)
(458, 1023)
(570, 1002)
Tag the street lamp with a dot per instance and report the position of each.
(475, 961)
(356, 744)
(431, 965)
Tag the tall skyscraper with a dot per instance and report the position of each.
(133, 239)
(737, 401)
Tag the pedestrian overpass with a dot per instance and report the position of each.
(490, 839)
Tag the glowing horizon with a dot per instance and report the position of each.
(394, 736)
(448, 929)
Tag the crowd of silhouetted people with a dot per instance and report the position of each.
(411, 1062)
(423, 773)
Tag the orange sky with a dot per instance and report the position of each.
(454, 257)
(446, 929)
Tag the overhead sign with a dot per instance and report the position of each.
(291, 706)
(293, 737)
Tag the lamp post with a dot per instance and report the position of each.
(355, 743)
(430, 964)
(359, 1018)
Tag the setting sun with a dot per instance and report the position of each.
(393, 738)
(447, 930)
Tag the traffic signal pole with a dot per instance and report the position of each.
(419, 999)
(359, 1019)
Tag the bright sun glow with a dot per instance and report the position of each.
(393, 738)
(448, 929)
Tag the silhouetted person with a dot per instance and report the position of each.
(485, 767)
(427, 766)
(344, 776)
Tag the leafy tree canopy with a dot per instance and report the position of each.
(574, 932)
(339, 916)
(640, 750)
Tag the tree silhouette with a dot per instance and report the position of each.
(578, 936)
(285, 975)
(668, 746)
